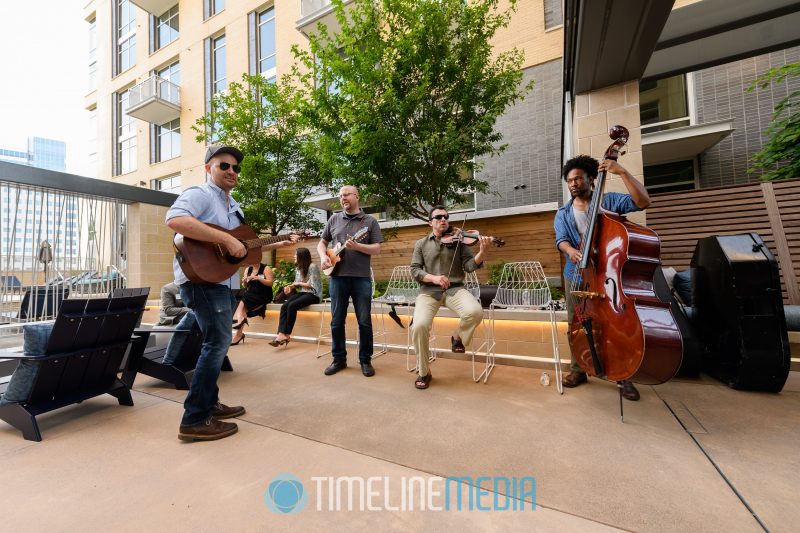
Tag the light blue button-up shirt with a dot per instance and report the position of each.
(207, 203)
(567, 230)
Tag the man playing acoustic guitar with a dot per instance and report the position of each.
(212, 303)
(351, 277)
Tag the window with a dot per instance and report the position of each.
(663, 104)
(125, 16)
(216, 82)
(266, 44)
(461, 202)
(171, 74)
(212, 7)
(165, 28)
(553, 14)
(378, 211)
(168, 140)
(169, 184)
(93, 139)
(668, 177)
(126, 136)
(93, 54)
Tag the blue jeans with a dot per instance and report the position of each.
(360, 290)
(213, 307)
(176, 342)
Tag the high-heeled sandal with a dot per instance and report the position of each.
(276, 342)
(241, 339)
(240, 324)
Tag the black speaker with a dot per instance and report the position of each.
(737, 294)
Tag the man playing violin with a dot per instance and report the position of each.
(572, 221)
(440, 270)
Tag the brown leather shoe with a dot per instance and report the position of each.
(573, 379)
(629, 392)
(211, 429)
(220, 411)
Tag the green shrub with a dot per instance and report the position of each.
(496, 272)
(284, 275)
(380, 287)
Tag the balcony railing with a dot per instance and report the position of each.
(155, 7)
(312, 12)
(155, 100)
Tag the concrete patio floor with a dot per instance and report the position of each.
(692, 455)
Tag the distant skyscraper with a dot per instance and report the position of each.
(27, 216)
(42, 153)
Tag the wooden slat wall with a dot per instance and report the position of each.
(681, 218)
(528, 238)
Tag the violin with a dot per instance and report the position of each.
(454, 236)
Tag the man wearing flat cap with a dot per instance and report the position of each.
(212, 303)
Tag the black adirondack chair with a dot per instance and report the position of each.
(82, 358)
(150, 362)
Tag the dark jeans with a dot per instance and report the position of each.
(360, 290)
(213, 307)
(291, 306)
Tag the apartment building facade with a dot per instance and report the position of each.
(155, 64)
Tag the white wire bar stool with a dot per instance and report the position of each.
(523, 286)
(326, 307)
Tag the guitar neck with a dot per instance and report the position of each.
(258, 243)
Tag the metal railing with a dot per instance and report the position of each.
(55, 244)
(154, 87)
(309, 7)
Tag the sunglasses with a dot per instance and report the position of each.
(440, 217)
(225, 166)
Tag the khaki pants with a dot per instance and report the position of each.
(462, 303)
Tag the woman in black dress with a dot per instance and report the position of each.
(254, 300)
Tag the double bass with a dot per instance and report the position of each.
(620, 329)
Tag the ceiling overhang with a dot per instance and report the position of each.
(680, 144)
(714, 32)
(607, 42)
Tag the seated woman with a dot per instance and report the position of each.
(306, 290)
(254, 300)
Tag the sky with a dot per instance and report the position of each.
(45, 50)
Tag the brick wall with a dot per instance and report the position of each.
(720, 93)
(532, 130)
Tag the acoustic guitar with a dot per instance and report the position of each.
(210, 262)
(334, 254)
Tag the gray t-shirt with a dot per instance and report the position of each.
(581, 221)
(353, 263)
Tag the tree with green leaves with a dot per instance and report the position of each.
(780, 156)
(280, 167)
(406, 95)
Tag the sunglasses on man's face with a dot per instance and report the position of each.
(440, 217)
(225, 166)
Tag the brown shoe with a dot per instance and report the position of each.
(220, 411)
(211, 429)
(573, 379)
(629, 392)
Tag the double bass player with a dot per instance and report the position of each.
(571, 223)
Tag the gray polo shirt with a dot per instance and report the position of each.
(430, 257)
(353, 263)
